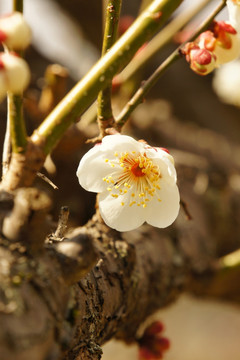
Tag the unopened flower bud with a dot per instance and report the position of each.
(152, 344)
(206, 40)
(154, 328)
(14, 31)
(202, 61)
(15, 72)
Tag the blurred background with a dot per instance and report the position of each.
(198, 121)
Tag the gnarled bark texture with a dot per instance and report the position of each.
(44, 317)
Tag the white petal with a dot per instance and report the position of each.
(122, 143)
(163, 213)
(92, 169)
(166, 166)
(234, 14)
(225, 55)
(93, 166)
(116, 216)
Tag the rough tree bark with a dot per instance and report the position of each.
(53, 307)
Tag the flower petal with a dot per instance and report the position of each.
(121, 143)
(93, 166)
(165, 164)
(163, 213)
(92, 169)
(121, 218)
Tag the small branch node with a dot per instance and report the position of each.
(62, 222)
(76, 256)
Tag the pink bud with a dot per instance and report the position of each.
(156, 327)
(161, 344)
(202, 61)
(206, 40)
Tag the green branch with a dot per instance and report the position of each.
(99, 77)
(18, 5)
(105, 115)
(17, 125)
(140, 94)
(160, 40)
(18, 132)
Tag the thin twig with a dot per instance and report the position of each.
(160, 40)
(138, 97)
(15, 113)
(185, 209)
(6, 148)
(85, 92)
(17, 123)
(18, 5)
(47, 180)
(154, 46)
(62, 222)
(105, 115)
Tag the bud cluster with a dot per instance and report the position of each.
(152, 343)
(216, 46)
(15, 35)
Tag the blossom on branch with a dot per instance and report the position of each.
(233, 7)
(14, 31)
(136, 182)
(223, 41)
(212, 48)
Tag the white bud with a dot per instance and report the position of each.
(16, 33)
(16, 72)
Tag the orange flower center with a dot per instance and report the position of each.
(134, 176)
(136, 170)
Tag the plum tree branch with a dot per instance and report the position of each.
(105, 115)
(151, 81)
(99, 77)
(135, 275)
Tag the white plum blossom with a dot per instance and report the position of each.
(227, 46)
(223, 41)
(14, 73)
(136, 182)
(14, 31)
(233, 7)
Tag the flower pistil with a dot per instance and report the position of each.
(134, 173)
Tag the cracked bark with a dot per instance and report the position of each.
(45, 317)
